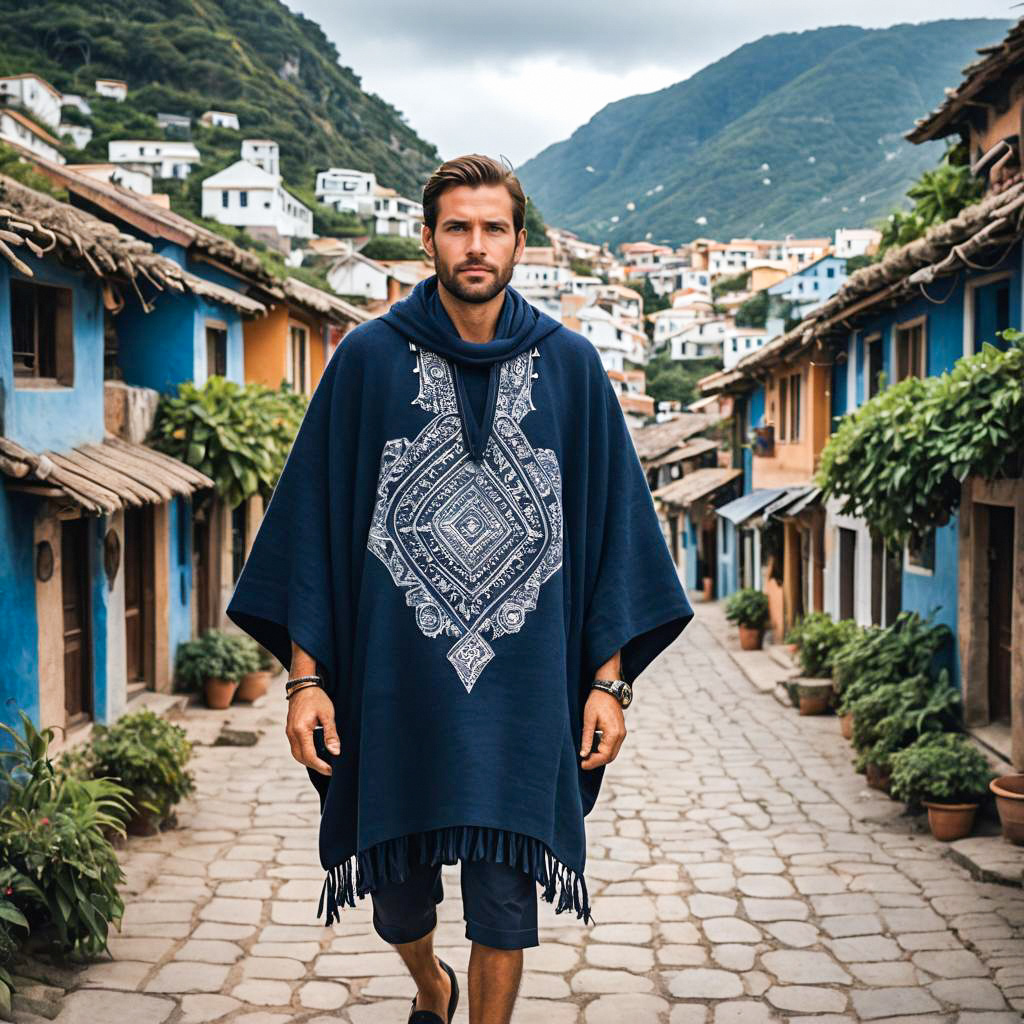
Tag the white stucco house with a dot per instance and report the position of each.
(22, 131)
(33, 94)
(702, 340)
(164, 157)
(346, 189)
(740, 342)
(263, 153)
(395, 215)
(246, 195)
(112, 89)
(219, 119)
(79, 135)
(136, 180)
(614, 339)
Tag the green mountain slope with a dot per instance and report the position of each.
(275, 69)
(825, 110)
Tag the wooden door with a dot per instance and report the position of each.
(138, 591)
(201, 572)
(847, 572)
(1000, 605)
(74, 571)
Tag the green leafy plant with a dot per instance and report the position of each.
(239, 435)
(54, 831)
(796, 631)
(944, 767)
(820, 639)
(901, 458)
(748, 608)
(894, 715)
(874, 656)
(11, 918)
(147, 754)
(214, 655)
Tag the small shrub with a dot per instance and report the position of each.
(748, 608)
(941, 766)
(796, 631)
(820, 639)
(214, 655)
(54, 837)
(147, 754)
(894, 715)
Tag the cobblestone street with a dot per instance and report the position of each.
(740, 872)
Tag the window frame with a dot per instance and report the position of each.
(221, 326)
(295, 328)
(61, 347)
(901, 330)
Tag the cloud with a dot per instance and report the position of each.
(515, 77)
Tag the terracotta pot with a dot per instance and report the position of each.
(793, 690)
(750, 639)
(708, 584)
(878, 778)
(220, 692)
(253, 685)
(814, 700)
(846, 725)
(794, 649)
(950, 821)
(1009, 794)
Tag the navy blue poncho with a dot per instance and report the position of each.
(462, 534)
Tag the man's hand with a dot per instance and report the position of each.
(602, 711)
(310, 707)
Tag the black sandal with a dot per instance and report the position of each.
(428, 1016)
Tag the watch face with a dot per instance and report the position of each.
(627, 694)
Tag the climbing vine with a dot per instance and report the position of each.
(899, 460)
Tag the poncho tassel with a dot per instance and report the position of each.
(388, 862)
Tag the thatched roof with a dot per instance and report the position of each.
(659, 438)
(995, 61)
(324, 303)
(39, 224)
(160, 223)
(696, 485)
(100, 478)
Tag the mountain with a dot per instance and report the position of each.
(274, 68)
(825, 110)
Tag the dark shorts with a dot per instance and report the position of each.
(499, 905)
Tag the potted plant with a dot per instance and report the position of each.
(1009, 793)
(708, 588)
(256, 679)
(149, 755)
(748, 608)
(820, 638)
(945, 773)
(213, 663)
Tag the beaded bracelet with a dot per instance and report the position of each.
(301, 686)
(290, 684)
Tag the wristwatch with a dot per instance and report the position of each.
(618, 688)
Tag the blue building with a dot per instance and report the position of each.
(95, 567)
(811, 285)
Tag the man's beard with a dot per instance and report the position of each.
(484, 292)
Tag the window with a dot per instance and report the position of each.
(921, 552)
(991, 313)
(910, 350)
(224, 198)
(243, 198)
(216, 350)
(298, 357)
(873, 360)
(41, 333)
(789, 407)
(831, 271)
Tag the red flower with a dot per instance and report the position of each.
(44, 821)
(9, 892)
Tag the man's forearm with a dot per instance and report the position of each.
(612, 668)
(303, 664)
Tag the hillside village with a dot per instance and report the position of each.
(159, 365)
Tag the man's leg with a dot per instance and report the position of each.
(494, 976)
(405, 915)
(500, 907)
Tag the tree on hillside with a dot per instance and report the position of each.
(670, 379)
(536, 229)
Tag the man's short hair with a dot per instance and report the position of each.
(473, 170)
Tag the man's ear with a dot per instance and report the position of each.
(427, 240)
(520, 246)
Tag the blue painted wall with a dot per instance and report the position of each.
(179, 536)
(56, 417)
(755, 418)
(690, 544)
(19, 639)
(99, 598)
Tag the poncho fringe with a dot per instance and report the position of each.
(388, 861)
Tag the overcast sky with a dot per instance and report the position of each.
(512, 77)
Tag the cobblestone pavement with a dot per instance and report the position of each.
(739, 870)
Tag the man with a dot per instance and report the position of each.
(463, 556)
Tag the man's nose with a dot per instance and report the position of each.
(476, 240)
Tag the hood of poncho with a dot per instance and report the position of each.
(422, 320)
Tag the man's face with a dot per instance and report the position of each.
(474, 244)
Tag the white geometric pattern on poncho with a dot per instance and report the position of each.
(473, 543)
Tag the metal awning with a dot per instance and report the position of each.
(747, 505)
(808, 500)
(100, 477)
(788, 497)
